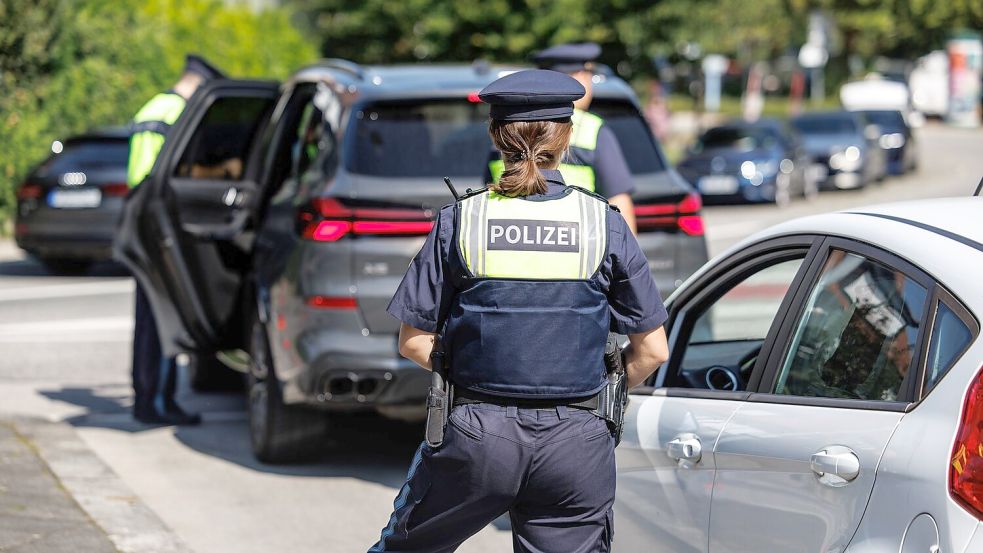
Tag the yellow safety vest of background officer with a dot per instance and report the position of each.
(154, 376)
(594, 160)
(523, 281)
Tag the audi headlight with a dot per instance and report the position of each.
(847, 160)
(748, 169)
(892, 141)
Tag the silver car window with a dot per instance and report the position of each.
(857, 336)
(729, 332)
(950, 336)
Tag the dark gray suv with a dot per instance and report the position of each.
(279, 220)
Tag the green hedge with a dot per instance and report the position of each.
(71, 65)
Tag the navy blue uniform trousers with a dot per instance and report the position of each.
(552, 470)
(154, 376)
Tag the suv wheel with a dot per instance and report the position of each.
(279, 433)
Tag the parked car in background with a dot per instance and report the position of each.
(897, 140)
(844, 148)
(879, 93)
(294, 259)
(824, 392)
(68, 206)
(749, 162)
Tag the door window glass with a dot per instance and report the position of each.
(219, 146)
(950, 336)
(858, 334)
(726, 337)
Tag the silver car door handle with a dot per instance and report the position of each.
(685, 447)
(835, 465)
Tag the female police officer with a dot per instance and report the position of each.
(525, 280)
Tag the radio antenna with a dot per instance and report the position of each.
(447, 181)
(979, 188)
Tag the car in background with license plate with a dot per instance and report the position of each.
(844, 148)
(287, 267)
(824, 392)
(749, 162)
(69, 205)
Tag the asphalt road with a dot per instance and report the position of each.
(64, 355)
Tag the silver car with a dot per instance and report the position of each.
(824, 393)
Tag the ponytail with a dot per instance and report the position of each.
(527, 147)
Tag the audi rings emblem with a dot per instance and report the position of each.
(718, 164)
(73, 179)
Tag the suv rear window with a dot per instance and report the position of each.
(637, 142)
(87, 154)
(434, 138)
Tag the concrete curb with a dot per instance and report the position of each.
(112, 505)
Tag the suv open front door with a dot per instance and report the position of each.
(181, 232)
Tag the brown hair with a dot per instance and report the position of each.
(527, 147)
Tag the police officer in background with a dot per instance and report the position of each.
(523, 281)
(154, 376)
(595, 160)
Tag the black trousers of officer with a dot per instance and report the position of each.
(154, 376)
(552, 470)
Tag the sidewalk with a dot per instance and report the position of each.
(36, 513)
(56, 496)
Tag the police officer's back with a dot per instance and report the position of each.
(524, 280)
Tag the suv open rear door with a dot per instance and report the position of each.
(182, 230)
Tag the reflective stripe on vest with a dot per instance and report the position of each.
(515, 238)
(586, 127)
(159, 127)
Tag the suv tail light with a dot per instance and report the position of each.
(329, 219)
(966, 468)
(332, 302)
(684, 216)
(29, 191)
(115, 189)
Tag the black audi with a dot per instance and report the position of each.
(68, 206)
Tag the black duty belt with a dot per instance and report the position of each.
(469, 397)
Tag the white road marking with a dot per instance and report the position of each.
(96, 329)
(67, 290)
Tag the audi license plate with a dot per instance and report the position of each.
(75, 199)
(718, 184)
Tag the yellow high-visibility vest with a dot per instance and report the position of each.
(515, 238)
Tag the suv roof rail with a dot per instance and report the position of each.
(344, 65)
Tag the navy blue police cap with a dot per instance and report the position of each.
(532, 95)
(193, 63)
(568, 58)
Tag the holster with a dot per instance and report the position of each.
(440, 398)
(613, 399)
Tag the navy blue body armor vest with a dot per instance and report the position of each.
(531, 319)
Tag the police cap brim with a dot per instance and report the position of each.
(532, 95)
